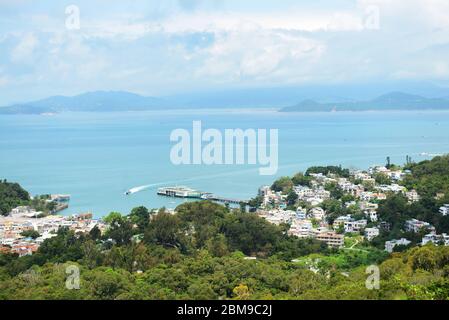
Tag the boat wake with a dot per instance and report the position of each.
(137, 189)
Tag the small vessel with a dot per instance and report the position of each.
(127, 193)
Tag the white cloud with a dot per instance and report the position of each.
(258, 55)
(281, 45)
(24, 50)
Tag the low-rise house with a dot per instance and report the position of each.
(371, 233)
(436, 239)
(313, 196)
(378, 169)
(367, 196)
(278, 216)
(373, 216)
(269, 197)
(331, 238)
(412, 196)
(342, 220)
(390, 188)
(301, 229)
(24, 248)
(364, 205)
(355, 226)
(415, 225)
(12, 227)
(389, 245)
(317, 213)
(396, 175)
(301, 213)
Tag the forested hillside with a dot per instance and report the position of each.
(209, 251)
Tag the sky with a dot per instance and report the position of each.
(168, 47)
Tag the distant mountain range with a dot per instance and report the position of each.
(99, 101)
(390, 101)
(115, 101)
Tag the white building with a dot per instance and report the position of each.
(444, 210)
(301, 229)
(414, 225)
(331, 239)
(373, 216)
(412, 196)
(341, 220)
(355, 226)
(371, 233)
(435, 239)
(317, 213)
(301, 213)
(389, 245)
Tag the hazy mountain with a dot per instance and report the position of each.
(390, 101)
(99, 101)
(110, 101)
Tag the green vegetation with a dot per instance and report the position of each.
(11, 196)
(337, 170)
(420, 273)
(283, 184)
(430, 178)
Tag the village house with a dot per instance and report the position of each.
(342, 220)
(331, 238)
(371, 233)
(395, 188)
(412, 196)
(389, 245)
(395, 175)
(355, 226)
(277, 216)
(414, 225)
(20, 220)
(313, 196)
(301, 229)
(316, 213)
(269, 197)
(301, 213)
(378, 169)
(436, 239)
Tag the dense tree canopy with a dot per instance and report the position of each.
(11, 196)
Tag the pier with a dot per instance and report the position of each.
(225, 200)
(187, 193)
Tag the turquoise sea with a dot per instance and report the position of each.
(96, 157)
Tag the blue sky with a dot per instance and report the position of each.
(176, 46)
